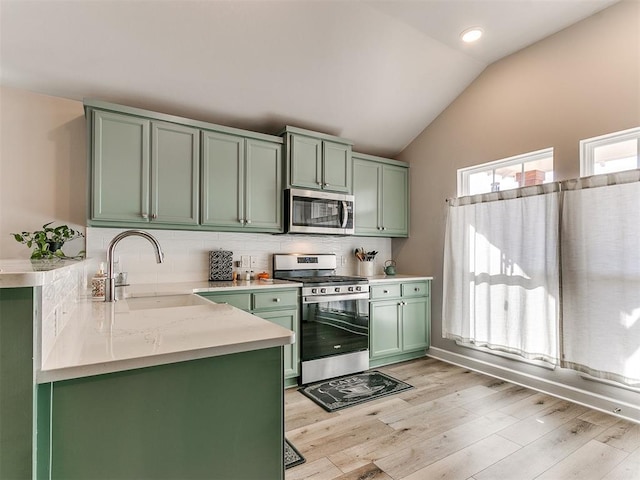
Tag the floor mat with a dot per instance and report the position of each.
(343, 392)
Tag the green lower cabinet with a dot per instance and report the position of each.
(386, 329)
(278, 305)
(287, 319)
(17, 308)
(219, 417)
(399, 326)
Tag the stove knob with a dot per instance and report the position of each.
(358, 289)
(337, 289)
(314, 290)
(350, 289)
(323, 290)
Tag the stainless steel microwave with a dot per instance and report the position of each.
(309, 211)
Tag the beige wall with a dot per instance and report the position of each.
(42, 166)
(582, 82)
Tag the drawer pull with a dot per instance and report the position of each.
(417, 289)
(385, 291)
(276, 299)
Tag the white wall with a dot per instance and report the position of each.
(42, 166)
(187, 253)
(581, 82)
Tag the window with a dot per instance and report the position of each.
(613, 152)
(522, 170)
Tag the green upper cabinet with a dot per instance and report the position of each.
(241, 183)
(143, 171)
(158, 170)
(317, 161)
(381, 190)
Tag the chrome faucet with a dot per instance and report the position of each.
(109, 293)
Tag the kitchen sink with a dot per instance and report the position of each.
(164, 301)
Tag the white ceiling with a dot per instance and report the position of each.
(375, 72)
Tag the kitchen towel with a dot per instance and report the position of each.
(220, 265)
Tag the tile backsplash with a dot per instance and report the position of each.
(187, 252)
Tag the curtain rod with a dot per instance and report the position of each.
(593, 181)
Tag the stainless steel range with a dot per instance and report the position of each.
(334, 337)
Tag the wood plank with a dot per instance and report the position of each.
(590, 462)
(599, 418)
(367, 472)
(372, 450)
(537, 457)
(623, 435)
(531, 406)
(433, 448)
(467, 461)
(538, 425)
(441, 403)
(628, 469)
(321, 469)
(499, 399)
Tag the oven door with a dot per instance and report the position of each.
(309, 211)
(334, 325)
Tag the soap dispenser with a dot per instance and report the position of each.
(98, 283)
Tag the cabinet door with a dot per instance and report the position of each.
(263, 186)
(367, 181)
(287, 319)
(120, 168)
(175, 158)
(415, 331)
(395, 201)
(336, 167)
(306, 162)
(385, 334)
(222, 180)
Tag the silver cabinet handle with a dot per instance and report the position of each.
(276, 299)
(144, 215)
(417, 289)
(385, 291)
(247, 221)
(154, 216)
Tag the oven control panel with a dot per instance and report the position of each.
(335, 290)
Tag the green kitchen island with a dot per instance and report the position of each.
(157, 387)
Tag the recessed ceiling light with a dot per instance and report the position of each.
(471, 35)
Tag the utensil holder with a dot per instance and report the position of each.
(365, 269)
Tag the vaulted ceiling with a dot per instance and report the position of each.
(375, 72)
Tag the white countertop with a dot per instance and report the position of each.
(99, 337)
(27, 273)
(109, 337)
(396, 278)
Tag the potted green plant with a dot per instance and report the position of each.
(48, 242)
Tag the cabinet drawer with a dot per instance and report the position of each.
(390, 290)
(238, 300)
(415, 289)
(275, 299)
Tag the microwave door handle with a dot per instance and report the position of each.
(345, 214)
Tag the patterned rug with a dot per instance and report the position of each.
(344, 392)
(292, 456)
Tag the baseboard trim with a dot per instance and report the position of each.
(610, 405)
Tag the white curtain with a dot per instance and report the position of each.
(501, 272)
(601, 277)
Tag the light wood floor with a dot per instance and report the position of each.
(458, 424)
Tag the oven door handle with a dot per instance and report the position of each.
(345, 214)
(334, 298)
